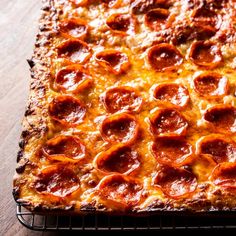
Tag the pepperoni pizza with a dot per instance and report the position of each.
(132, 108)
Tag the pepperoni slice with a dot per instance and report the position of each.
(206, 16)
(220, 148)
(186, 33)
(224, 175)
(57, 180)
(73, 28)
(168, 122)
(120, 159)
(175, 182)
(156, 19)
(175, 94)
(211, 84)
(173, 152)
(67, 110)
(164, 57)
(75, 50)
(113, 60)
(205, 54)
(72, 79)
(112, 3)
(222, 117)
(122, 98)
(120, 190)
(64, 148)
(121, 23)
(120, 128)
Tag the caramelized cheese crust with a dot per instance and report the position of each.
(132, 108)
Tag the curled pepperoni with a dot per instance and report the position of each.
(120, 128)
(168, 122)
(222, 117)
(121, 23)
(211, 84)
(113, 60)
(195, 31)
(164, 57)
(75, 50)
(64, 148)
(220, 148)
(120, 190)
(120, 159)
(122, 98)
(72, 79)
(224, 175)
(175, 182)
(173, 152)
(57, 180)
(73, 28)
(205, 54)
(206, 16)
(157, 18)
(175, 94)
(67, 110)
(112, 3)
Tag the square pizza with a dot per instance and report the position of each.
(132, 108)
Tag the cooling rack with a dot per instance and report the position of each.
(102, 222)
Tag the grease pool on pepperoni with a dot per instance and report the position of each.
(173, 93)
(224, 175)
(219, 147)
(205, 54)
(57, 180)
(211, 84)
(123, 98)
(73, 28)
(72, 79)
(112, 60)
(121, 23)
(67, 110)
(157, 18)
(64, 148)
(74, 50)
(168, 122)
(222, 118)
(119, 158)
(164, 57)
(120, 190)
(120, 128)
(175, 182)
(172, 151)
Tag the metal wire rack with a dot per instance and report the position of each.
(102, 222)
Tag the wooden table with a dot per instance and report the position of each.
(18, 27)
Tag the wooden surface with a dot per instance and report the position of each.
(18, 27)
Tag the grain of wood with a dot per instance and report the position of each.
(18, 27)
